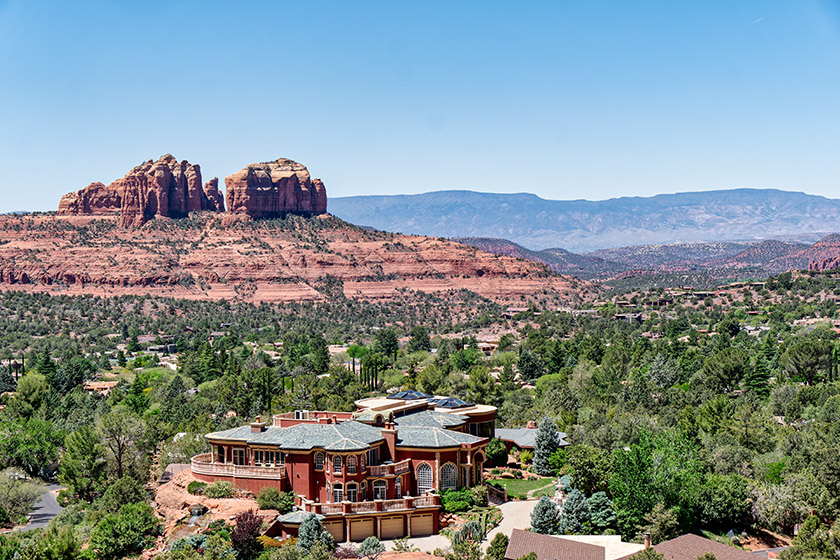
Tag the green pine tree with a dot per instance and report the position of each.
(575, 517)
(544, 517)
(545, 444)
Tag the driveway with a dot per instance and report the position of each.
(44, 510)
(515, 515)
(425, 544)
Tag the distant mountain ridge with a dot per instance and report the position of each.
(755, 259)
(582, 225)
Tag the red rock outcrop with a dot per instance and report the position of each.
(274, 189)
(165, 187)
(96, 198)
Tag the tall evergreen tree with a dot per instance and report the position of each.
(545, 444)
(311, 532)
(544, 517)
(575, 517)
(601, 512)
(83, 465)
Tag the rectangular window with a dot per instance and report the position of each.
(238, 456)
(281, 459)
(258, 457)
(352, 494)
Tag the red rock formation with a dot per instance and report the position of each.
(96, 198)
(274, 189)
(214, 196)
(165, 187)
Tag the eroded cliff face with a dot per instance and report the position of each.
(274, 189)
(166, 187)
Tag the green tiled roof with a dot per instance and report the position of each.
(433, 438)
(429, 419)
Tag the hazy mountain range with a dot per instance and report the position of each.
(582, 225)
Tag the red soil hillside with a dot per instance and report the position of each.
(294, 259)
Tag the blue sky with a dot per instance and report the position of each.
(589, 99)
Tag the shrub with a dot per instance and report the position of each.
(401, 545)
(371, 548)
(196, 487)
(479, 495)
(526, 456)
(222, 489)
(271, 498)
(456, 506)
(497, 548)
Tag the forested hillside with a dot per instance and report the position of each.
(685, 411)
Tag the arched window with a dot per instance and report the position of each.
(448, 477)
(364, 490)
(319, 461)
(364, 466)
(338, 493)
(352, 492)
(337, 464)
(351, 464)
(424, 478)
(398, 487)
(380, 489)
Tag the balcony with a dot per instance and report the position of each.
(350, 508)
(203, 464)
(391, 469)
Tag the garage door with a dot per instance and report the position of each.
(392, 528)
(422, 525)
(336, 529)
(360, 529)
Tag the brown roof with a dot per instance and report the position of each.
(548, 547)
(689, 547)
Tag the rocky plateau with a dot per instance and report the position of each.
(291, 259)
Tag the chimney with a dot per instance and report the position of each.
(647, 540)
(390, 435)
(257, 426)
(531, 425)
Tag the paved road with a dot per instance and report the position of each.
(45, 510)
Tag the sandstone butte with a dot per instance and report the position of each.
(165, 187)
(295, 259)
(172, 189)
(274, 189)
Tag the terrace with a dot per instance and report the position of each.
(371, 506)
(203, 464)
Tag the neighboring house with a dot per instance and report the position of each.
(568, 547)
(99, 387)
(374, 472)
(690, 547)
(525, 438)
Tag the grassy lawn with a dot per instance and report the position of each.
(544, 486)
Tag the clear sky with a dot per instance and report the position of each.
(565, 99)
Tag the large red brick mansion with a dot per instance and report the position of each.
(377, 471)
